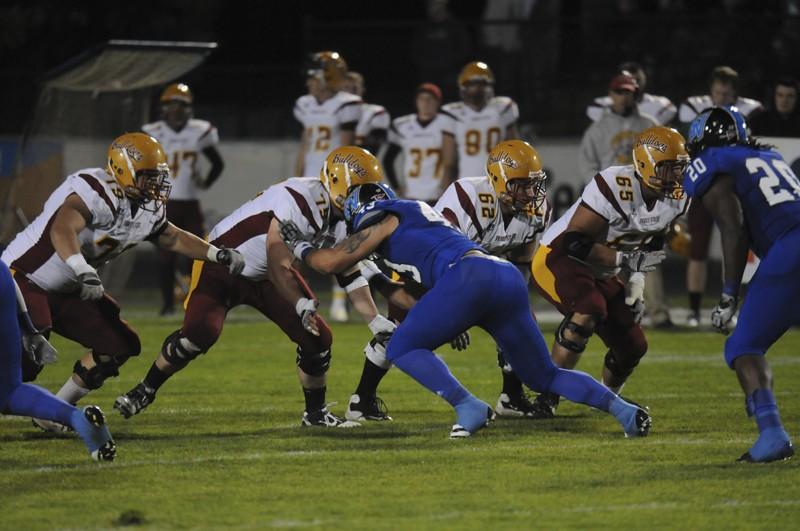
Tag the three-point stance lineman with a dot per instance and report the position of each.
(466, 287)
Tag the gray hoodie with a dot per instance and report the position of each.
(609, 142)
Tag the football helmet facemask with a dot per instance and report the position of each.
(660, 158)
(515, 170)
(346, 167)
(139, 165)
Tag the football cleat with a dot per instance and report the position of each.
(369, 409)
(772, 445)
(51, 426)
(693, 320)
(545, 405)
(472, 416)
(90, 423)
(514, 407)
(639, 424)
(326, 419)
(135, 400)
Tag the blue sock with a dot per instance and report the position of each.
(762, 404)
(30, 400)
(430, 371)
(579, 387)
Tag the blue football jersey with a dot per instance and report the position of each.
(767, 188)
(423, 246)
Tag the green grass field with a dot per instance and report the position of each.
(222, 448)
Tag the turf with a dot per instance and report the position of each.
(222, 447)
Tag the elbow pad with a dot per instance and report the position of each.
(578, 245)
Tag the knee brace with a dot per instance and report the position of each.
(574, 346)
(314, 363)
(620, 365)
(105, 367)
(178, 350)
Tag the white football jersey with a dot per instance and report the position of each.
(182, 149)
(372, 117)
(694, 105)
(114, 228)
(422, 154)
(323, 125)
(477, 132)
(472, 206)
(616, 195)
(659, 108)
(302, 200)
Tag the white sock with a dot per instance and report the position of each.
(71, 392)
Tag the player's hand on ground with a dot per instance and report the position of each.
(461, 341)
(640, 261)
(634, 295)
(232, 259)
(307, 311)
(91, 286)
(294, 239)
(38, 349)
(723, 313)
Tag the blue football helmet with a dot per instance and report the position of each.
(360, 198)
(717, 126)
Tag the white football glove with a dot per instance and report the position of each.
(232, 259)
(723, 313)
(381, 325)
(38, 349)
(634, 295)
(294, 239)
(91, 286)
(640, 261)
(307, 311)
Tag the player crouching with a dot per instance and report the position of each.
(591, 261)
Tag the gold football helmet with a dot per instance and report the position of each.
(138, 163)
(660, 157)
(346, 167)
(328, 66)
(177, 92)
(515, 170)
(475, 71)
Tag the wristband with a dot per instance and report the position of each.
(78, 264)
(730, 288)
(302, 249)
(212, 252)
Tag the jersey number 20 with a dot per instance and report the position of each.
(775, 191)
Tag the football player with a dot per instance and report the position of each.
(754, 197)
(723, 91)
(466, 287)
(94, 216)
(17, 398)
(270, 284)
(183, 139)
(329, 116)
(477, 123)
(418, 137)
(504, 213)
(619, 223)
(373, 125)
